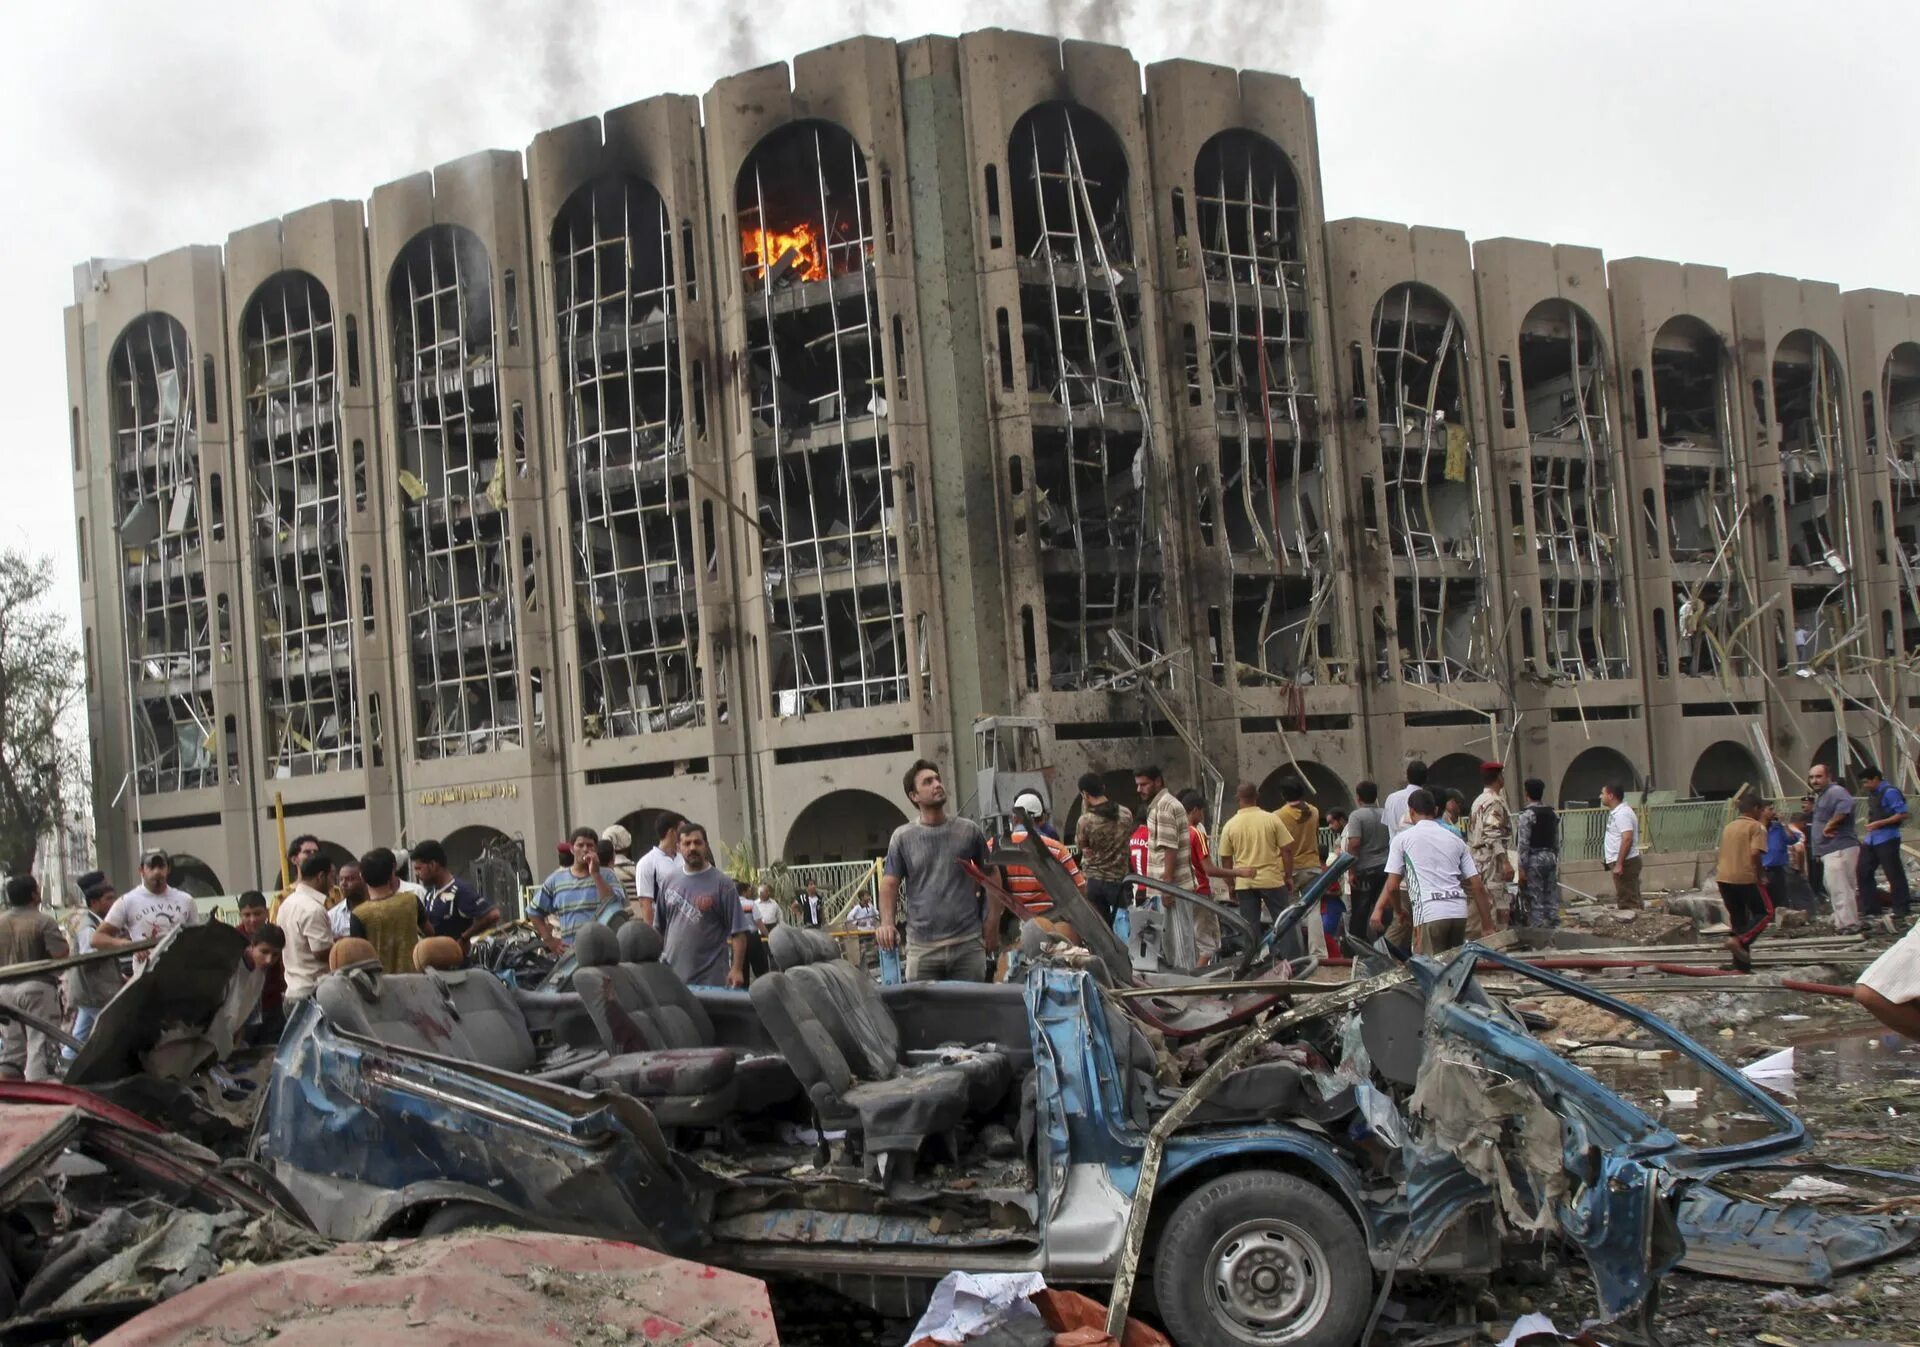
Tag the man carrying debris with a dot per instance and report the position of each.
(944, 909)
(1490, 829)
(1886, 812)
(1743, 846)
(1430, 869)
(1101, 834)
(1833, 843)
(1620, 847)
(90, 986)
(147, 913)
(1536, 834)
(28, 935)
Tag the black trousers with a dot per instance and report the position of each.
(1749, 910)
(1107, 896)
(1883, 856)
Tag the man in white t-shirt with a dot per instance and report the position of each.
(1620, 848)
(1394, 811)
(652, 871)
(148, 912)
(1430, 869)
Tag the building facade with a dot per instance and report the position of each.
(725, 455)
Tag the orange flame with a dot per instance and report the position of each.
(765, 247)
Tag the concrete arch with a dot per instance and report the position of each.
(1828, 756)
(1120, 789)
(843, 825)
(190, 873)
(1689, 393)
(1325, 789)
(1042, 138)
(492, 862)
(641, 824)
(1455, 771)
(1723, 769)
(801, 193)
(1595, 768)
(1242, 180)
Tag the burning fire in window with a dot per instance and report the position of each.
(772, 255)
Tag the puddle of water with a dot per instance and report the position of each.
(1838, 1070)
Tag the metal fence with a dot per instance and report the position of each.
(842, 883)
(1671, 828)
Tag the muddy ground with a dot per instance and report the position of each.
(1857, 1089)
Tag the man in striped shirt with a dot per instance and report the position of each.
(574, 896)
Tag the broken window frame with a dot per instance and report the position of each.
(1713, 635)
(1816, 484)
(465, 677)
(636, 617)
(1439, 590)
(167, 613)
(1576, 507)
(1101, 574)
(1254, 286)
(291, 425)
(1900, 376)
(836, 616)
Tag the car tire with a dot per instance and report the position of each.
(1262, 1259)
(452, 1217)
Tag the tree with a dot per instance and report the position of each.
(40, 687)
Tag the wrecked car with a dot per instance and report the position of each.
(1406, 1123)
(102, 1214)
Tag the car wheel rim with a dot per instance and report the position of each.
(1267, 1280)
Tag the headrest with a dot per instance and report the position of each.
(596, 946)
(794, 946)
(353, 950)
(438, 951)
(639, 943)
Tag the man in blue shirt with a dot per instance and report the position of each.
(1886, 811)
(575, 895)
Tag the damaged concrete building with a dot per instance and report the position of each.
(728, 454)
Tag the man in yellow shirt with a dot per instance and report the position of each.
(1256, 841)
(1302, 819)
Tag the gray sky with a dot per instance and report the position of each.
(1758, 136)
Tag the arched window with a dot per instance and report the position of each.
(617, 316)
(292, 435)
(169, 626)
(461, 630)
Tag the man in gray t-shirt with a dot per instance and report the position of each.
(944, 908)
(1833, 841)
(706, 925)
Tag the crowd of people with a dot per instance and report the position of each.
(1430, 870)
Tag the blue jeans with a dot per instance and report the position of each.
(83, 1020)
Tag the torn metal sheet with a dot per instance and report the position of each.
(1793, 1245)
(185, 1010)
